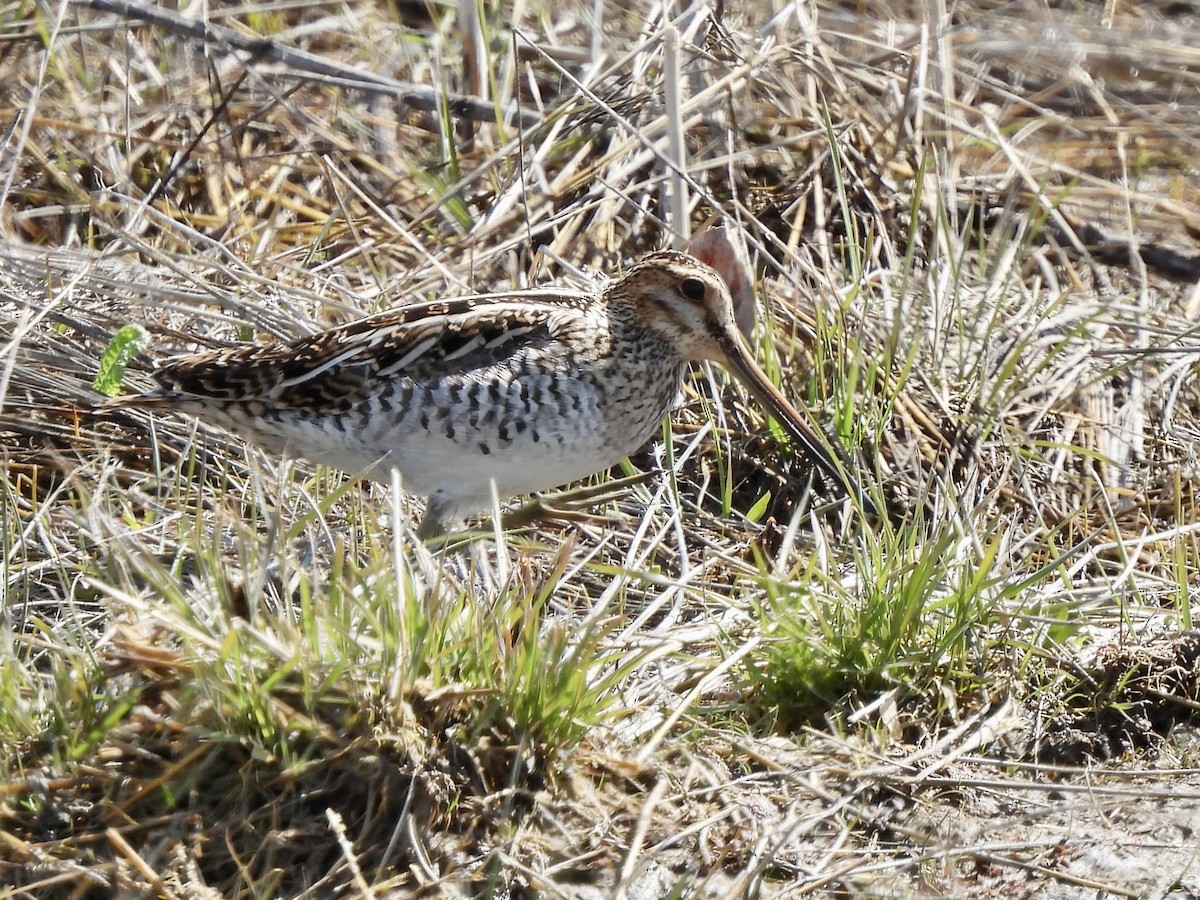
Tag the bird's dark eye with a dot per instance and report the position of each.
(692, 288)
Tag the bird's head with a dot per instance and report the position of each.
(687, 308)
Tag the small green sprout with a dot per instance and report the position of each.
(125, 345)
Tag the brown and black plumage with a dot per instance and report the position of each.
(526, 391)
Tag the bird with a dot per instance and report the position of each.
(520, 391)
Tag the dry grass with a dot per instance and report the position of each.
(976, 235)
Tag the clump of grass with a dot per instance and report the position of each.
(916, 617)
(284, 675)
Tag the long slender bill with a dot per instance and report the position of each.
(747, 371)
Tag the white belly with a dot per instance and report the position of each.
(529, 438)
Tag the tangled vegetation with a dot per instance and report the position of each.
(975, 237)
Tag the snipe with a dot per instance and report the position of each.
(528, 390)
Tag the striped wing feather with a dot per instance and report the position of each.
(336, 367)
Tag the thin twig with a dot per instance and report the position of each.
(418, 97)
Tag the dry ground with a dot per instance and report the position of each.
(977, 236)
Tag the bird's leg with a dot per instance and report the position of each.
(433, 522)
(430, 527)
